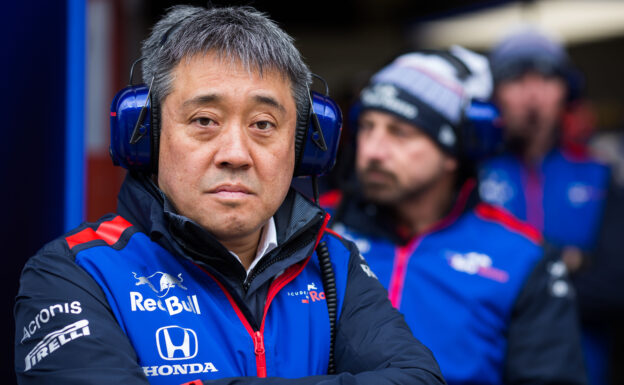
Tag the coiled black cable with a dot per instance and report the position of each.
(331, 297)
(329, 284)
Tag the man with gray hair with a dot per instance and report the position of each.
(213, 270)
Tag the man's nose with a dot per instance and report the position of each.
(374, 144)
(534, 88)
(234, 149)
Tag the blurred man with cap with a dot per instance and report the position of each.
(473, 282)
(558, 189)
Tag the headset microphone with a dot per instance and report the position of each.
(139, 128)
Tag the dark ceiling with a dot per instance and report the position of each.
(342, 13)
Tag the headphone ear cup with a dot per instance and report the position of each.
(129, 149)
(318, 152)
(482, 134)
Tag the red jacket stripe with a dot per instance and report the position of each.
(81, 237)
(109, 232)
(330, 199)
(330, 231)
(506, 219)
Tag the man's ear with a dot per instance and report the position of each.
(451, 164)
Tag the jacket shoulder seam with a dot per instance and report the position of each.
(507, 220)
(109, 232)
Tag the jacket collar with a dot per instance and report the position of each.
(298, 222)
(378, 221)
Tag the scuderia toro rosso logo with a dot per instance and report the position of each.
(311, 294)
(161, 294)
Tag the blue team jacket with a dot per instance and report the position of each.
(563, 196)
(157, 302)
(476, 290)
(149, 296)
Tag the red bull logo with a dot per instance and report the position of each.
(160, 282)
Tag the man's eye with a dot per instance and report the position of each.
(204, 121)
(264, 125)
(402, 132)
(364, 126)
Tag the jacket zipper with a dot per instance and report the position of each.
(533, 192)
(403, 254)
(292, 247)
(399, 270)
(260, 353)
(288, 275)
(258, 335)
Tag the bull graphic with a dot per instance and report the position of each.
(165, 283)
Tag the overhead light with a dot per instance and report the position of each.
(571, 21)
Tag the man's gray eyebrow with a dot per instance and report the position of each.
(269, 101)
(200, 100)
(209, 98)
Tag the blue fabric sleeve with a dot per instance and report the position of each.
(599, 284)
(65, 331)
(544, 335)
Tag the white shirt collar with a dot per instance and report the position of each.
(268, 241)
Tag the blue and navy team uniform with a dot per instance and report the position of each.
(565, 196)
(476, 289)
(148, 296)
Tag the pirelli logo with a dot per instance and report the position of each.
(55, 340)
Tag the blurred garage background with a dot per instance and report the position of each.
(63, 61)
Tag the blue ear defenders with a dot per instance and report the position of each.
(480, 130)
(482, 133)
(135, 131)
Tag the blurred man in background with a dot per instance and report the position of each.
(473, 282)
(552, 182)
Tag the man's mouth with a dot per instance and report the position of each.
(230, 191)
(377, 176)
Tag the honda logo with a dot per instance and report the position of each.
(176, 343)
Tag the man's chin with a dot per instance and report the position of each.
(233, 231)
(380, 196)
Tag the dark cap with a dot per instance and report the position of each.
(430, 90)
(530, 49)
